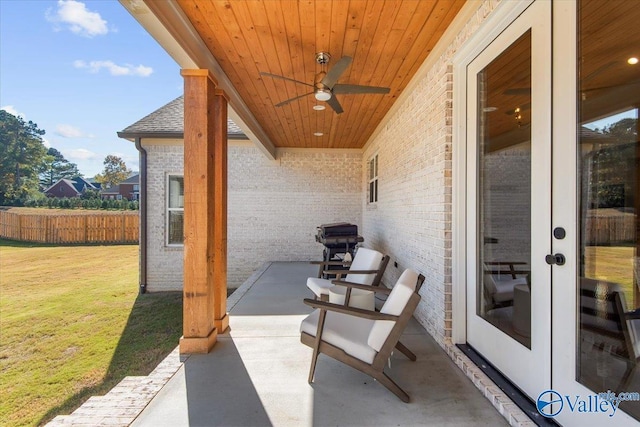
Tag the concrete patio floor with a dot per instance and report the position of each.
(256, 375)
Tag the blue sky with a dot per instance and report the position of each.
(82, 70)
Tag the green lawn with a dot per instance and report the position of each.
(72, 325)
(612, 264)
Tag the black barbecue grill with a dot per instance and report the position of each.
(338, 240)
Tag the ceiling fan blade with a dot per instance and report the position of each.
(293, 99)
(336, 71)
(333, 103)
(359, 89)
(275, 76)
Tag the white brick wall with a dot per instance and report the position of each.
(412, 219)
(164, 263)
(274, 207)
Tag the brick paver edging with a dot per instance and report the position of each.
(123, 403)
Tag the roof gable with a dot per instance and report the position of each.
(77, 184)
(168, 122)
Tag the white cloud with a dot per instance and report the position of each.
(46, 142)
(68, 131)
(113, 68)
(79, 154)
(77, 18)
(11, 110)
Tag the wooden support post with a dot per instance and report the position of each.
(220, 210)
(203, 240)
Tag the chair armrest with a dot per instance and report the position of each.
(343, 263)
(352, 311)
(362, 271)
(507, 272)
(336, 271)
(379, 289)
(344, 272)
(633, 314)
(505, 263)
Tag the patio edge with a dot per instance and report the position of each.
(126, 401)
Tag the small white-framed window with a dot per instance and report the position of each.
(175, 210)
(373, 179)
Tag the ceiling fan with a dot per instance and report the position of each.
(325, 86)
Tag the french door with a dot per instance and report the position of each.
(552, 202)
(596, 197)
(509, 202)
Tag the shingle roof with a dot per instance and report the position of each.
(114, 189)
(81, 184)
(76, 183)
(133, 179)
(168, 121)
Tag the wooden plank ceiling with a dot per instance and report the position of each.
(388, 41)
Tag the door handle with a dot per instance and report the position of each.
(557, 259)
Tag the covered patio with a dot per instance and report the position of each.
(257, 375)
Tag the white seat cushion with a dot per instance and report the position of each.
(348, 333)
(504, 288)
(395, 304)
(319, 286)
(365, 259)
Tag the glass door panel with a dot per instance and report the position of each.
(504, 191)
(609, 202)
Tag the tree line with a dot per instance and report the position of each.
(28, 167)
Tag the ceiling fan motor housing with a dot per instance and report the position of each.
(322, 58)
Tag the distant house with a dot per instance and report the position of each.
(69, 187)
(128, 189)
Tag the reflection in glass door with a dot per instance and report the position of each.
(504, 190)
(609, 203)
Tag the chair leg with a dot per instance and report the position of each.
(404, 350)
(383, 379)
(314, 359)
(316, 347)
(628, 375)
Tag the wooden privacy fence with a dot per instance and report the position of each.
(610, 229)
(99, 227)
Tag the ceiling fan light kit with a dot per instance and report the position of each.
(325, 85)
(322, 94)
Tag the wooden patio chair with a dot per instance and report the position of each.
(609, 327)
(364, 339)
(500, 279)
(367, 268)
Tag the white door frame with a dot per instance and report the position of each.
(528, 367)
